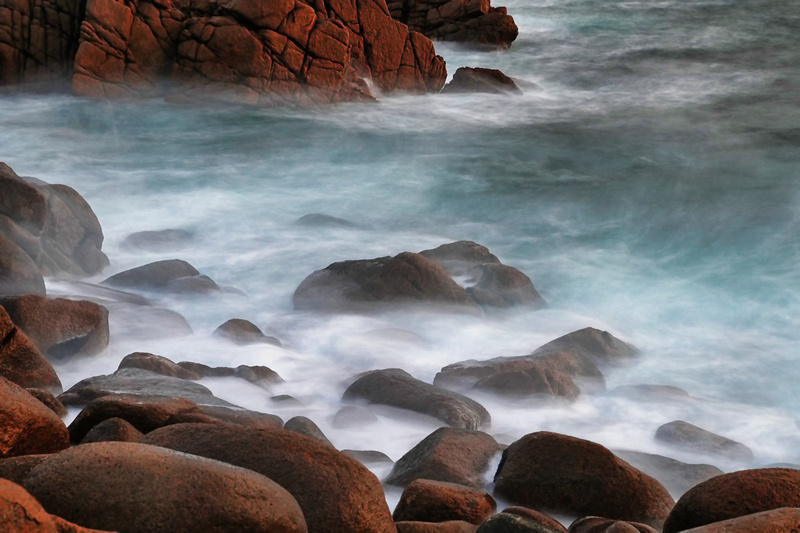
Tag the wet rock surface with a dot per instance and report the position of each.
(424, 500)
(481, 80)
(21, 362)
(27, 426)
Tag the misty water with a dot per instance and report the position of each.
(648, 181)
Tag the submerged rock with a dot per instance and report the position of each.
(157, 241)
(240, 331)
(688, 436)
(481, 80)
(676, 476)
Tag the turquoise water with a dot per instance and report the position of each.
(649, 184)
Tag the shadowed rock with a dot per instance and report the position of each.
(157, 241)
(113, 430)
(480, 80)
(240, 331)
(21, 362)
(596, 524)
(688, 436)
(449, 526)
(306, 426)
(783, 520)
(676, 476)
(50, 401)
(517, 523)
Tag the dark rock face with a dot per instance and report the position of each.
(733, 495)
(133, 487)
(480, 80)
(59, 327)
(27, 426)
(336, 493)
(52, 224)
(688, 436)
(516, 523)
(50, 401)
(362, 285)
(424, 500)
(596, 524)
(397, 388)
(573, 476)
(676, 476)
(262, 52)
(240, 331)
(783, 520)
(550, 370)
(534, 519)
(448, 454)
(473, 22)
(16, 468)
(21, 362)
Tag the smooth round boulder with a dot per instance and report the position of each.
(515, 523)
(48, 399)
(783, 520)
(16, 468)
(158, 364)
(696, 439)
(735, 494)
(113, 429)
(676, 476)
(336, 493)
(129, 487)
(597, 524)
(243, 332)
(542, 520)
(424, 500)
(27, 426)
(566, 475)
(306, 426)
(21, 362)
(155, 275)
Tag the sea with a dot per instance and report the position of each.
(647, 180)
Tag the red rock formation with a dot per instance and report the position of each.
(424, 500)
(27, 426)
(20, 361)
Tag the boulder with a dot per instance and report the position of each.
(535, 519)
(690, 437)
(21, 513)
(449, 526)
(517, 523)
(572, 476)
(153, 276)
(16, 468)
(480, 80)
(134, 487)
(21, 362)
(27, 426)
(353, 416)
(18, 272)
(596, 524)
(59, 327)
(473, 22)
(143, 322)
(424, 500)
(113, 429)
(165, 240)
(240, 331)
(306, 426)
(259, 375)
(363, 285)
(368, 457)
(448, 454)
(457, 257)
(158, 364)
(783, 520)
(733, 495)
(47, 398)
(53, 224)
(676, 476)
(336, 493)
(397, 388)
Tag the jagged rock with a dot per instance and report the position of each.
(397, 388)
(473, 22)
(27, 426)
(59, 327)
(21, 362)
(688, 436)
(448, 454)
(480, 80)
(52, 224)
(240, 331)
(558, 473)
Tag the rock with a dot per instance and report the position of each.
(397, 388)
(783, 520)
(147, 413)
(368, 457)
(551, 370)
(690, 437)
(153, 276)
(457, 257)
(450, 526)
(16, 468)
(52, 224)
(241, 331)
(481, 80)
(21, 362)
(47, 398)
(567, 475)
(259, 375)
(596, 524)
(134, 487)
(21, 513)
(516, 523)
(535, 519)
(733, 495)
(319, 220)
(60, 328)
(113, 429)
(676, 476)
(157, 241)
(363, 285)
(353, 416)
(18, 273)
(158, 364)
(27, 426)
(336, 493)
(305, 426)
(424, 500)
(474, 23)
(146, 322)
(454, 455)
(193, 285)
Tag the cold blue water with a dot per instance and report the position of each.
(648, 181)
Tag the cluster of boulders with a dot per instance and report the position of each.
(263, 52)
(152, 449)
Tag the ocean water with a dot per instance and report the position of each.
(648, 181)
